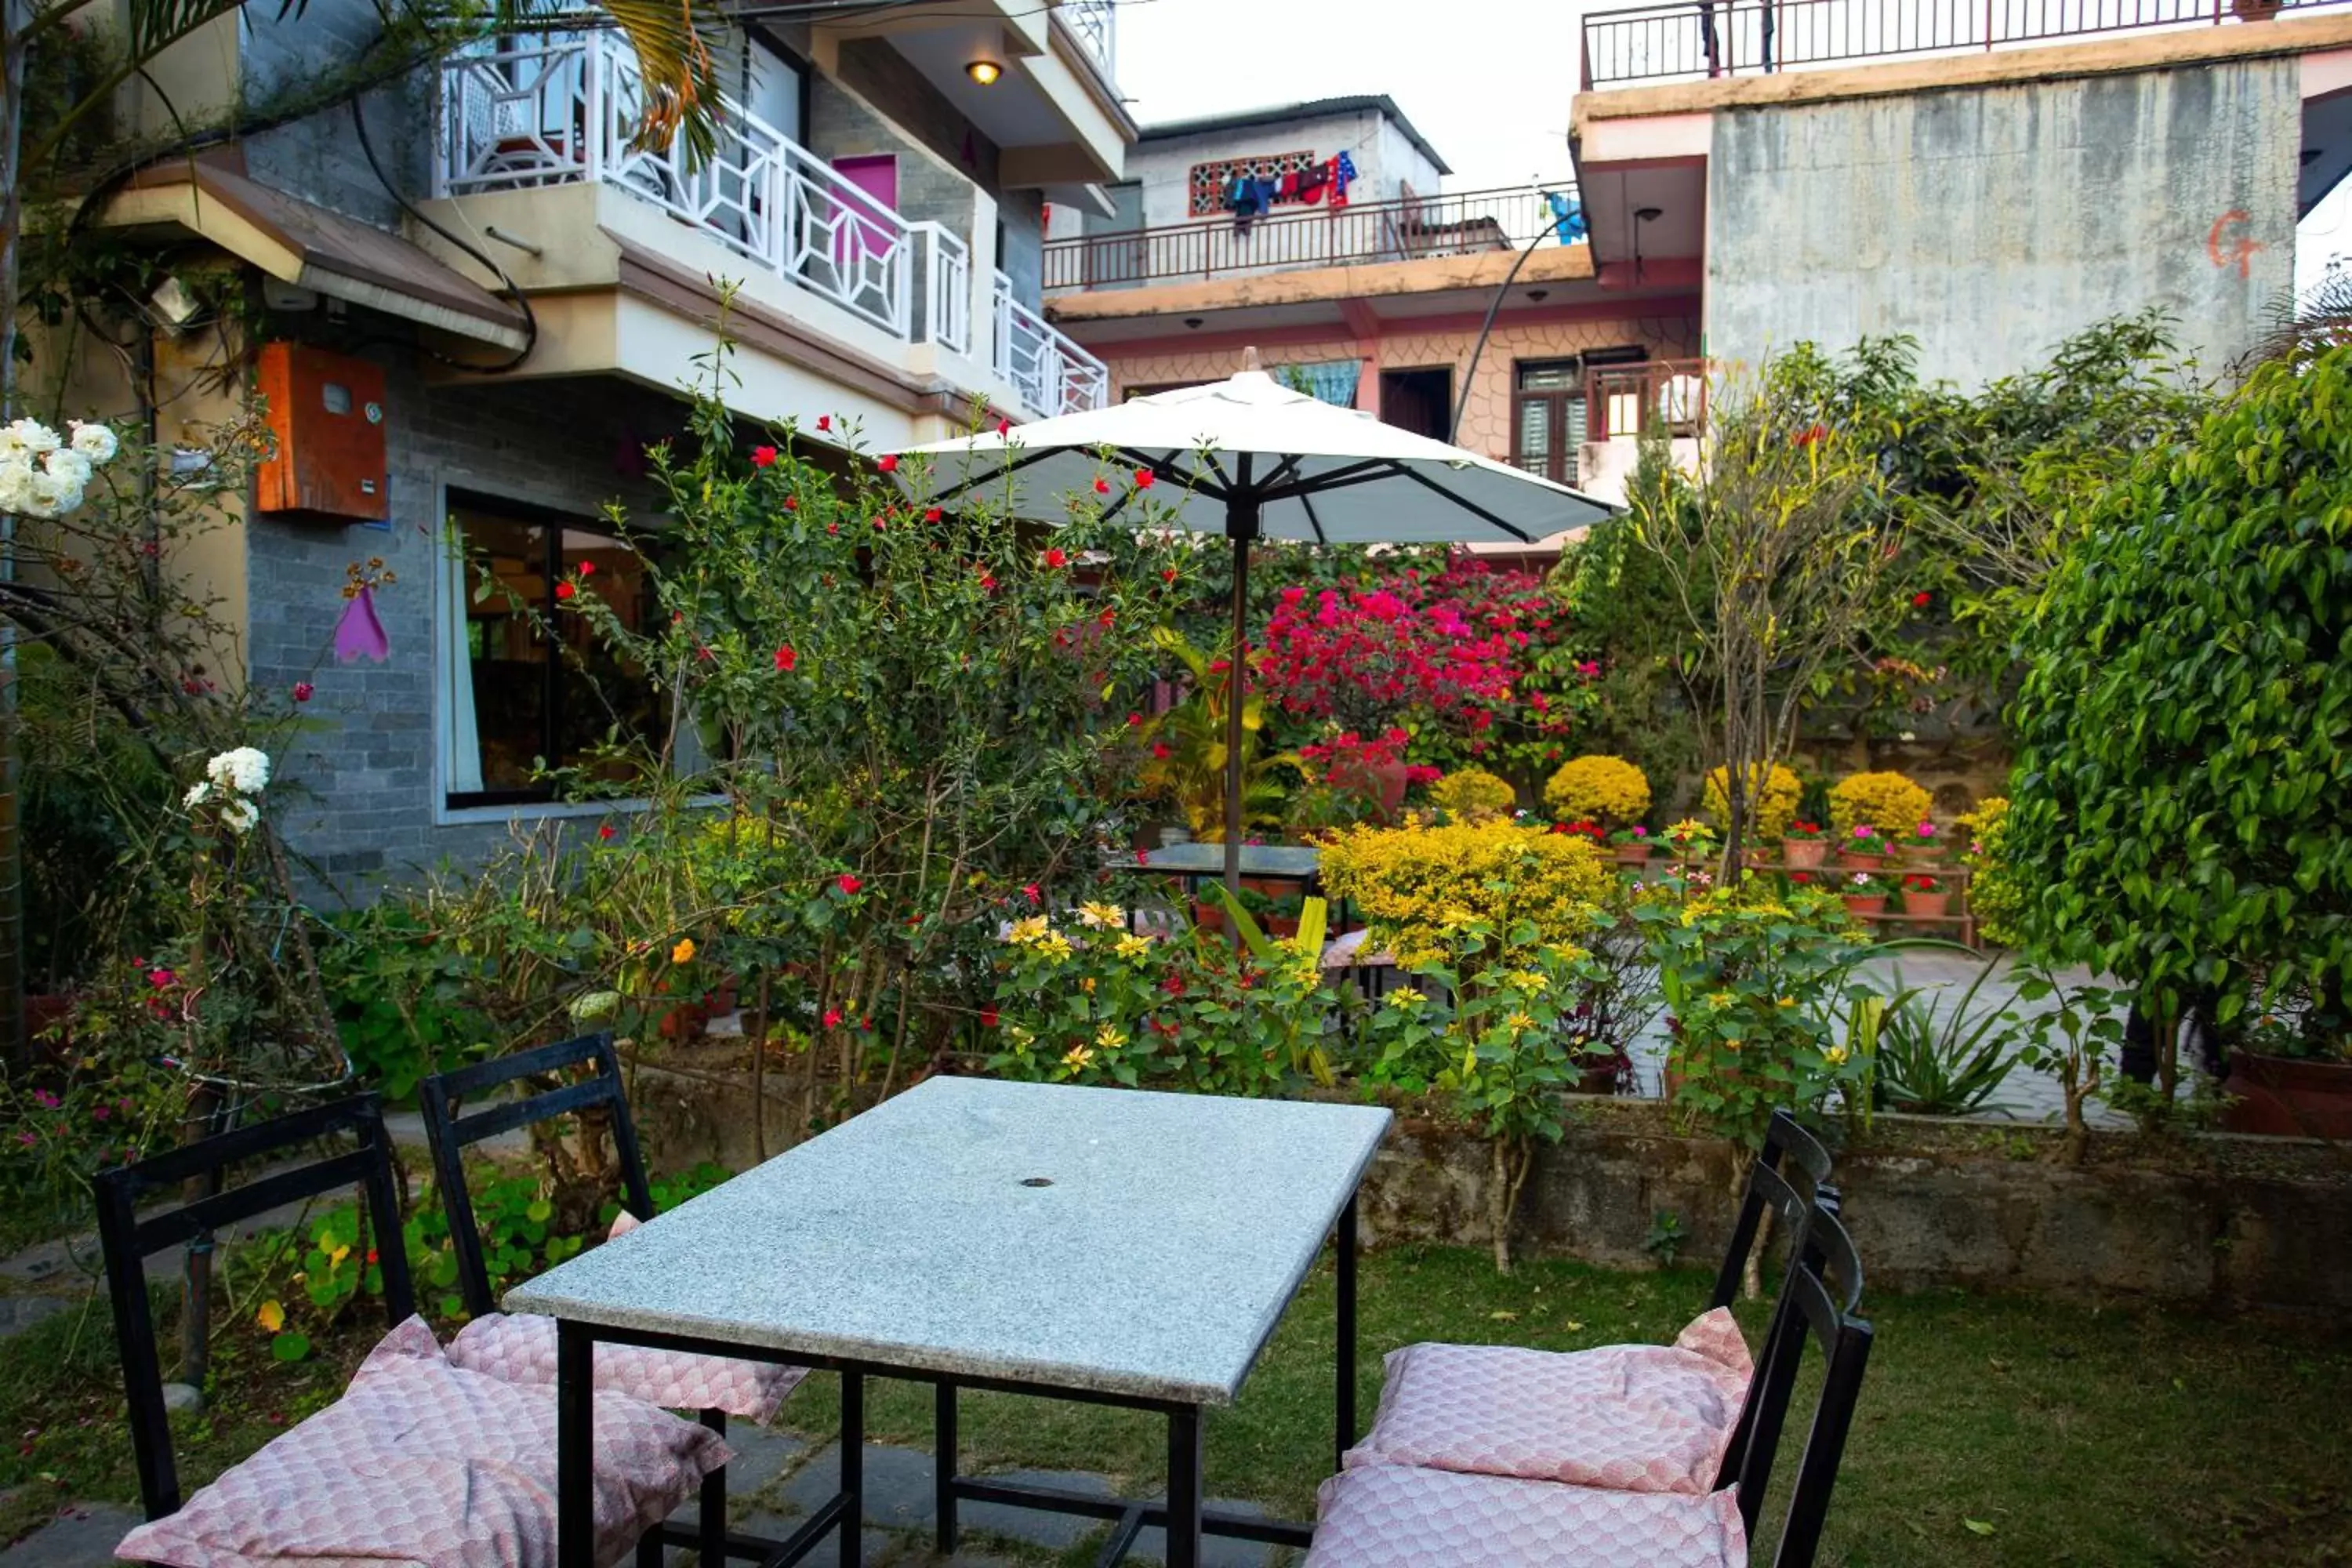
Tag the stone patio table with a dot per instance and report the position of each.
(1105, 1245)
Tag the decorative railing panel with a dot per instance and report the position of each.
(1053, 375)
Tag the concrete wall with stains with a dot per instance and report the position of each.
(1991, 222)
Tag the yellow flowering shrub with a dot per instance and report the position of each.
(1995, 896)
(1887, 801)
(1413, 884)
(1469, 792)
(1772, 799)
(1610, 791)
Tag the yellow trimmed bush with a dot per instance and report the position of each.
(1412, 883)
(1473, 793)
(1887, 801)
(1995, 896)
(1610, 791)
(1771, 801)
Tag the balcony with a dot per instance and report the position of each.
(1744, 38)
(1094, 24)
(550, 111)
(1409, 228)
(1624, 402)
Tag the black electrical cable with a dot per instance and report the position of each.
(1488, 326)
(530, 316)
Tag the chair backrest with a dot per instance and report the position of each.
(1793, 1212)
(1783, 1140)
(127, 1241)
(450, 1130)
(1818, 1306)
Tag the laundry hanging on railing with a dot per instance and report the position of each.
(1251, 196)
(1566, 216)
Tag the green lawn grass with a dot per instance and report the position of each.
(1992, 1430)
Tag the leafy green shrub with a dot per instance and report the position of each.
(2185, 721)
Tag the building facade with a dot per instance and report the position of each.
(479, 256)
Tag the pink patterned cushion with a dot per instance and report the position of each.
(521, 1350)
(1634, 1418)
(1394, 1516)
(423, 1463)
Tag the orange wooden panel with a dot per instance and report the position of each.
(327, 412)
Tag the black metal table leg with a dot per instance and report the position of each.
(575, 1479)
(1184, 1487)
(714, 1502)
(1344, 1245)
(945, 1451)
(853, 1468)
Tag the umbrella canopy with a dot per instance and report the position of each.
(1249, 459)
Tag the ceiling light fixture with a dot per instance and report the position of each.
(984, 72)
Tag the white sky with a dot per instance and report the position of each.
(1487, 82)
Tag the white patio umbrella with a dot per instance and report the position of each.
(1249, 459)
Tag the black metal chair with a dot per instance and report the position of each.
(1817, 1304)
(1784, 1142)
(451, 1130)
(127, 1241)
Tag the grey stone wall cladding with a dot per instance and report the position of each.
(1991, 222)
(359, 790)
(318, 158)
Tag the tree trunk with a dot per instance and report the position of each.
(1499, 1200)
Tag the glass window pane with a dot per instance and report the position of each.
(1535, 427)
(600, 692)
(510, 655)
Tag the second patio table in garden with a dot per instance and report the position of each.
(1110, 1246)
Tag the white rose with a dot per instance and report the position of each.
(32, 435)
(16, 485)
(240, 815)
(95, 442)
(244, 770)
(51, 496)
(67, 467)
(197, 794)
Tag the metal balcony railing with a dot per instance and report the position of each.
(1054, 374)
(1743, 37)
(1407, 228)
(1095, 25)
(1626, 400)
(555, 111)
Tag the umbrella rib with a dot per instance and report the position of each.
(1014, 467)
(1307, 501)
(1166, 468)
(1370, 468)
(1425, 482)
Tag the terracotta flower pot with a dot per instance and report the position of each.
(1207, 916)
(1272, 887)
(2289, 1097)
(1803, 853)
(1860, 862)
(1865, 906)
(1932, 906)
(1282, 928)
(1633, 854)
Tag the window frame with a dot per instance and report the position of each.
(1557, 463)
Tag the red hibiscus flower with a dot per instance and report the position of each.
(824, 421)
(1031, 892)
(887, 462)
(930, 514)
(1143, 478)
(833, 1017)
(1004, 427)
(1054, 558)
(1922, 599)
(847, 883)
(587, 569)
(605, 831)
(787, 657)
(763, 456)
(1102, 486)
(565, 590)
(303, 691)
(988, 1017)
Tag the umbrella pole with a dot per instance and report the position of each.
(1237, 646)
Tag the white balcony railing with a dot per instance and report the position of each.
(1054, 374)
(1096, 26)
(554, 111)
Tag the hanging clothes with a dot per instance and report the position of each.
(1343, 174)
(1287, 191)
(1566, 216)
(1313, 181)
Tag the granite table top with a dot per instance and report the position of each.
(1295, 861)
(1101, 1239)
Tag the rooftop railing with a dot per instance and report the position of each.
(1405, 228)
(1693, 38)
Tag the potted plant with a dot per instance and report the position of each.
(1924, 896)
(1863, 849)
(2291, 1076)
(1632, 844)
(1921, 843)
(1802, 847)
(1864, 895)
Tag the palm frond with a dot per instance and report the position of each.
(677, 43)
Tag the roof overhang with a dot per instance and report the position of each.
(304, 244)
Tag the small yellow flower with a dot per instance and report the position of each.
(1087, 983)
(1404, 998)
(336, 1255)
(1786, 1002)
(1054, 947)
(1133, 946)
(1103, 917)
(1021, 933)
(1078, 1058)
(1835, 1056)
(1019, 1035)
(1732, 1045)
(684, 952)
(1722, 1001)
(1109, 1038)
(1528, 982)
(271, 1316)
(1519, 1022)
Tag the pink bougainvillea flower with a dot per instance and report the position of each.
(1102, 486)
(763, 456)
(833, 1017)
(847, 883)
(887, 462)
(824, 421)
(359, 633)
(303, 691)
(1587, 668)
(160, 979)
(1144, 478)
(1054, 558)
(787, 657)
